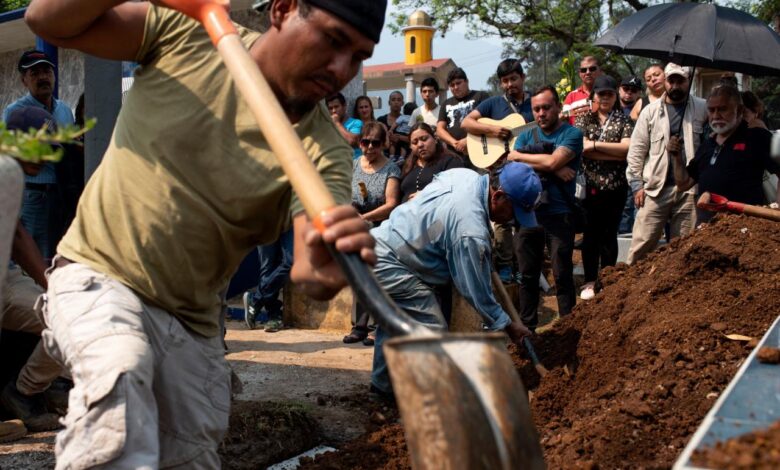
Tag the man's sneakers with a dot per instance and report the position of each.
(30, 409)
(12, 430)
(249, 311)
(273, 325)
(588, 291)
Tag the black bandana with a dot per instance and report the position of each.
(367, 16)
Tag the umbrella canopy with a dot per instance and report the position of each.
(699, 35)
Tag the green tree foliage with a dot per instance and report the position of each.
(40, 145)
(9, 5)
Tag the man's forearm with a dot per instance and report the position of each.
(65, 19)
(26, 254)
(352, 139)
(441, 133)
(682, 180)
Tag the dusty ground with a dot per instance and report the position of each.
(313, 368)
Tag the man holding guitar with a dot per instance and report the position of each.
(516, 103)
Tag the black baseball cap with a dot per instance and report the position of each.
(604, 83)
(632, 81)
(33, 58)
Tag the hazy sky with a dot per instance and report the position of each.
(478, 57)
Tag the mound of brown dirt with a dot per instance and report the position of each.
(384, 448)
(263, 433)
(756, 450)
(635, 370)
(651, 352)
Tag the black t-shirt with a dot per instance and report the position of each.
(420, 177)
(737, 169)
(455, 110)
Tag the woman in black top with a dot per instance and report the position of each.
(607, 135)
(428, 159)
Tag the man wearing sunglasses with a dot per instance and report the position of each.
(577, 100)
(443, 235)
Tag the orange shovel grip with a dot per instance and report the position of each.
(213, 14)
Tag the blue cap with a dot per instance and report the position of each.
(521, 183)
(29, 117)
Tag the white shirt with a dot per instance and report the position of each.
(422, 114)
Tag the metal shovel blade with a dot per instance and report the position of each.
(462, 403)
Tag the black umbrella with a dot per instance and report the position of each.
(698, 35)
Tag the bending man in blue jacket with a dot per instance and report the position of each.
(444, 234)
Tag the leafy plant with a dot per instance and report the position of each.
(568, 76)
(40, 145)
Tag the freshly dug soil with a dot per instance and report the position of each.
(650, 354)
(635, 370)
(263, 433)
(384, 448)
(756, 450)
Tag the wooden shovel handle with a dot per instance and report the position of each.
(271, 118)
(503, 297)
(763, 212)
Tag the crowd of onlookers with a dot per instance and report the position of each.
(616, 155)
(635, 152)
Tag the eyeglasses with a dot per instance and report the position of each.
(367, 142)
(590, 69)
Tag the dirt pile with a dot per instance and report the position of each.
(651, 353)
(635, 370)
(263, 433)
(758, 450)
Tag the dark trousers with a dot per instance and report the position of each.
(275, 262)
(604, 210)
(557, 232)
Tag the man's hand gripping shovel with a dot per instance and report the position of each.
(462, 402)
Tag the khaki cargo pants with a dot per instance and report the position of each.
(20, 293)
(148, 393)
(676, 208)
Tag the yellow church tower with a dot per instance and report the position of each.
(418, 37)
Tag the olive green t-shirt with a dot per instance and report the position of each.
(188, 185)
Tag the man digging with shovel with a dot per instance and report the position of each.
(187, 187)
(443, 235)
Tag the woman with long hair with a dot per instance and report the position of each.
(375, 193)
(428, 159)
(654, 78)
(607, 135)
(753, 112)
(363, 110)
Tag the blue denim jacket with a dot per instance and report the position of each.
(444, 233)
(62, 115)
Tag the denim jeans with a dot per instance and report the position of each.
(275, 263)
(557, 232)
(629, 211)
(412, 296)
(42, 216)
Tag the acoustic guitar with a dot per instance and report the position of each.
(484, 150)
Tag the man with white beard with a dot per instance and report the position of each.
(731, 162)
